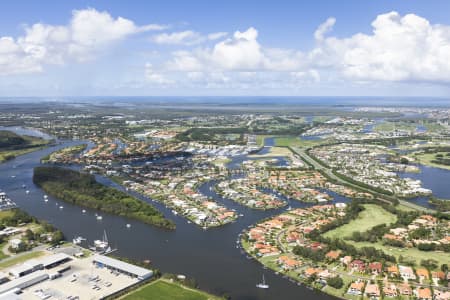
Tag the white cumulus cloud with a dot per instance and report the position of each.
(88, 31)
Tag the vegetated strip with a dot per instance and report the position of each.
(82, 189)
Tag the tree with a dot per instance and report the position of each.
(335, 282)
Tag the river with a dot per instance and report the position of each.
(209, 256)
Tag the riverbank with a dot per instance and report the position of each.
(168, 289)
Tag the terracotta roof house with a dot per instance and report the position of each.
(392, 270)
(375, 267)
(333, 255)
(423, 273)
(311, 271)
(372, 290)
(424, 294)
(356, 288)
(438, 275)
(358, 265)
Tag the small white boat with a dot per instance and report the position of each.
(263, 284)
(61, 207)
(45, 196)
(128, 225)
(27, 191)
(99, 218)
(46, 200)
(83, 211)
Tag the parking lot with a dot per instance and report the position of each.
(83, 280)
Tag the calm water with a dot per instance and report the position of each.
(210, 256)
(432, 178)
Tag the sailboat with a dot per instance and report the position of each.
(263, 284)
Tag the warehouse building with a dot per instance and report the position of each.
(23, 282)
(122, 267)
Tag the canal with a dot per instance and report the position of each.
(209, 256)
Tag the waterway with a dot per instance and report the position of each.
(209, 256)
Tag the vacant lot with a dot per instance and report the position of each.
(371, 216)
(165, 290)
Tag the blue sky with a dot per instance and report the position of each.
(71, 48)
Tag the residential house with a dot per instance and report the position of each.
(392, 270)
(356, 288)
(404, 289)
(333, 255)
(358, 265)
(375, 268)
(372, 290)
(424, 293)
(406, 272)
(441, 295)
(389, 290)
(423, 274)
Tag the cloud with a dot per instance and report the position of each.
(406, 48)
(88, 31)
(154, 77)
(399, 49)
(217, 35)
(324, 28)
(187, 37)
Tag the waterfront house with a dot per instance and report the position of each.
(311, 271)
(372, 291)
(356, 288)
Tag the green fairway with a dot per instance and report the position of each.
(371, 216)
(410, 253)
(165, 290)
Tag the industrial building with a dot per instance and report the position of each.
(122, 267)
(23, 282)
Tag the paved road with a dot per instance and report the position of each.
(385, 198)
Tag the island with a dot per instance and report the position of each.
(82, 189)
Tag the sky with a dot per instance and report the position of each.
(225, 48)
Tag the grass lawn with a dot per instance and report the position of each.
(14, 260)
(426, 158)
(165, 290)
(371, 216)
(6, 213)
(410, 253)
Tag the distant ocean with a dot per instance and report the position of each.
(244, 100)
